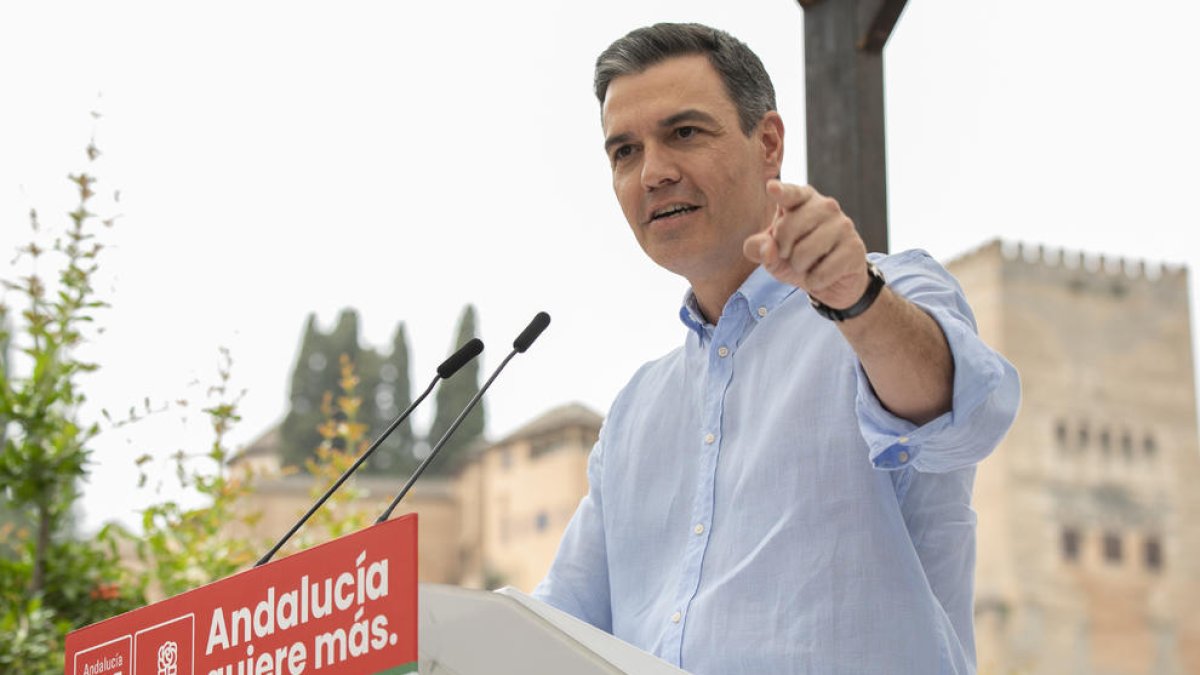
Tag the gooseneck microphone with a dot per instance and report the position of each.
(522, 343)
(448, 367)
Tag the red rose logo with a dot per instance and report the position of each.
(168, 658)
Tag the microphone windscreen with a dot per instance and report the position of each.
(460, 358)
(531, 332)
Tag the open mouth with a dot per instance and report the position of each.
(672, 211)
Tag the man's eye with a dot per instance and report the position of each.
(623, 152)
(686, 132)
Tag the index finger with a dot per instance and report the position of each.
(789, 196)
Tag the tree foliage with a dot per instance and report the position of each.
(181, 547)
(384, 385)
(452, 396)
(50, 580)
(343, 439)
(53, 579)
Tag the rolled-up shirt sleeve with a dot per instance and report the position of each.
(577, 582)
(987, 389)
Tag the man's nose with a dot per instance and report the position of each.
(659, 167)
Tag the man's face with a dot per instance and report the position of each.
(690, 183)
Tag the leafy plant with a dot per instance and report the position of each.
(49, 578)
(185, 547)
(343, 440)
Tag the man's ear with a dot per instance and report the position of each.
(770, 135)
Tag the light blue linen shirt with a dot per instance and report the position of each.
(753, 508)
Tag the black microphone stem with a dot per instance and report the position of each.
(445, 437)
(342, 479)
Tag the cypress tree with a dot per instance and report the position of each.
(389, 398)
(315, 373)
(299, 437)
(452, 397)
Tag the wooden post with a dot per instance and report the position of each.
(843, 73)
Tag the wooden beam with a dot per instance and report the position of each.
(881, 26)
(843, 72)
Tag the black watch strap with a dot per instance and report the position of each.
(864, 303)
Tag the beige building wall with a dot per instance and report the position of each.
(497, 522)
(519, 494)
(279, 503)
(1086, 555)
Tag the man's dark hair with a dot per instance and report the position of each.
(746, 80)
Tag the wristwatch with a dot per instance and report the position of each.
(864, 303)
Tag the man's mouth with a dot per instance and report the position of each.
(672, 211)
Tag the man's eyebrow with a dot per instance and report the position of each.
(619, 139)
(689, 115)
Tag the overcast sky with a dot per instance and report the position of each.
(406, 158)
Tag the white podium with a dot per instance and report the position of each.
(466, 632)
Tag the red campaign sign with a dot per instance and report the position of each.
(348, 607)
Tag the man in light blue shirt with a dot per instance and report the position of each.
(789, 491)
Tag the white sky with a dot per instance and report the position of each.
(407, 158)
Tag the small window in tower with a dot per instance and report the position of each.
(1149, 446)
(543, 521)
(1105, 442)
(1153, 554)
(1112, 547)
(1060, 433)
(1127, 443)
(1083, 436)
(1070, 544)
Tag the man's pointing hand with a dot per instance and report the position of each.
(812, 245)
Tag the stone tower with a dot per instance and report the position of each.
(1089, 530)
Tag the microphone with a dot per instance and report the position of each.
(522, 343)
(448, 367)
(531, 332)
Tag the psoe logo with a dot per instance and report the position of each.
(168, 658)
(166, 648)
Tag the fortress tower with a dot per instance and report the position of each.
(1089, 531)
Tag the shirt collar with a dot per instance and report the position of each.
(761, 291)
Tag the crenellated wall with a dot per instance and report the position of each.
(1086, 542)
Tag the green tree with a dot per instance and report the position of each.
(392, 394)
(299, 430)
(452, 397)
(383, 381)
(315, 372)
(52, 581)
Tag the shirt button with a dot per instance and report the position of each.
(902, 439)
(762, 311)
(699, 528)
(676, 617)
(723, 352)
(709, 439)
(903, 457)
